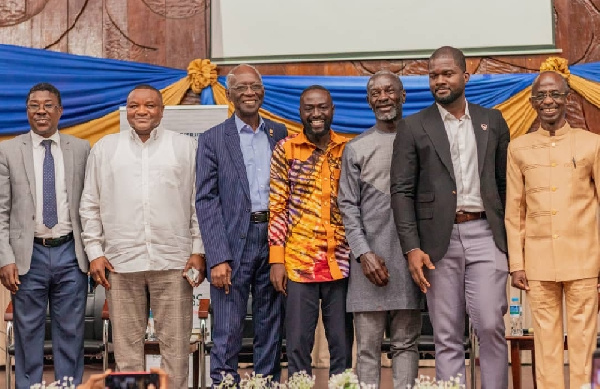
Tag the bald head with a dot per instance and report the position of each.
(550, 76)
(241, 69)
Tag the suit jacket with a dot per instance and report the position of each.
(223, 192)
(17, 197)
(422, 183)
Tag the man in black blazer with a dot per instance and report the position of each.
(448, 190)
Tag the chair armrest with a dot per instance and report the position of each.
(105, 315)
(203, 308)
(8, 314)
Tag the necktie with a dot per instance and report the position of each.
(49, 212)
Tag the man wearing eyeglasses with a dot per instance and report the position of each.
(553, 181)
(42, 260)
(232, 202)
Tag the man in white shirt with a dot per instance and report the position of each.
(42, 260)
(140, 227)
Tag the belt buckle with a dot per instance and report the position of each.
(44, 242)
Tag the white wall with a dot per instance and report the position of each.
(268, 30)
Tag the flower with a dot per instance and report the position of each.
(300, 380)
(426, 382)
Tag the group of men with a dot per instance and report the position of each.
(306, 222)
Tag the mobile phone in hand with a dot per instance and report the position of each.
(192, 275)
(136, 380)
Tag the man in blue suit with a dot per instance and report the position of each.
(232, 201)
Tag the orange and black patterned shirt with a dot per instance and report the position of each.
(306, 231)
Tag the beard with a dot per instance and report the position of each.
(308, 130)
(450, 98)
(388, 116)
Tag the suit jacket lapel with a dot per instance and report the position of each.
(27, 151)
(232, 140)
(480, 121)
(434, 127)
(67, 152)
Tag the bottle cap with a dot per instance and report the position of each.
(515, 299)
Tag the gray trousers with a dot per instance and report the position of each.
(472, 276)
(405, 328)
(171, 303)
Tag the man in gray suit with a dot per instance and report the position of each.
(448, 188)
(41, 254)
(380, 284)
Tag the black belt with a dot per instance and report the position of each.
(54, 242)
(259, 217)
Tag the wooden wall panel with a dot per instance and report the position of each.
(85, 22)
(146, 27)
(48, 26)
(114, 25)
(186, 36)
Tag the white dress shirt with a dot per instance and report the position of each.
(62, 205)
(138, 203)
(463, 150)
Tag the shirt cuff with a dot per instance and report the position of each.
(94, 251)
(277, 254)
(197, 246)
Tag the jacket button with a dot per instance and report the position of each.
(243, 236)
(453, 192)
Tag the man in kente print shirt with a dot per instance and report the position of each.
(308, 249)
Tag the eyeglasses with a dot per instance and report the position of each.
(244, 88)
(36, 107)
(554, 95)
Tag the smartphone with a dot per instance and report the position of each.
(132, 380)
(192, 275)
(596, 369)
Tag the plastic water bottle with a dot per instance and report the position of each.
(150, 335)
(516, 317)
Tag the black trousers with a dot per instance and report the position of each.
(302, 314)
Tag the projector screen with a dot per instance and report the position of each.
(308, 30)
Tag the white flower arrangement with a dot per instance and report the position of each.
(66, 383)
(301, 380)
(347, 380)
(426, 382)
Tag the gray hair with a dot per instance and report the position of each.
(381, 73)
(231, 74)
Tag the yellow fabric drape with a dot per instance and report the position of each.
(588, 89)
(518, 113)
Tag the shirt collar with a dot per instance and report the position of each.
(334, 140)
(448, 116)
(154, 134)
(561, 131)
(37, 139)
(240, 124)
